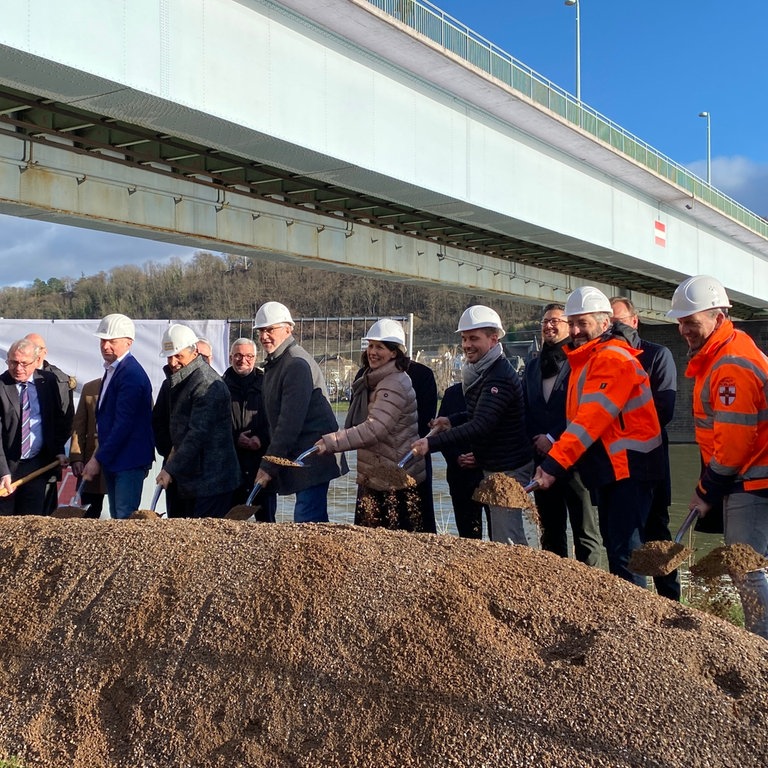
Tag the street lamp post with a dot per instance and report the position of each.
(709, 146)
(576, 3)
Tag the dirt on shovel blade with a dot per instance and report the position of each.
(735, 560)
(500, 490)
(65, 512)
(658, 558)
(144, 514)
(241, 512)
(392, 477)
(281, 462)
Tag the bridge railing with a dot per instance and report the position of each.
(428, 20)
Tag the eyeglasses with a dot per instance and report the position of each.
(553, 321)
(240, 356)
(21, 363)
(269, 331)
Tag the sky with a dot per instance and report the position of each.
(651, 67)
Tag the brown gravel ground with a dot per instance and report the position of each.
(218, 643)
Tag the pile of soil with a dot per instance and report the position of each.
(216, 643)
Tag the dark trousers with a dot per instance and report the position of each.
(27, 499)
(210, 506)
(427, 500)
(96, 502)
(467, 513)
(623, 509)
(569, 500)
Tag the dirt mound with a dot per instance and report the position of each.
(217, 643)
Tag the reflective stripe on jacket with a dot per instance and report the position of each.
(613, 430)
(730, 410)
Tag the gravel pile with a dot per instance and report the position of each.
(218, 643)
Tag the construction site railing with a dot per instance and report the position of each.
(430, 21)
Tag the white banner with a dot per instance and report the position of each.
(73, 347)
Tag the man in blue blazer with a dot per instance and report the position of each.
(33, 429)
(123, 419)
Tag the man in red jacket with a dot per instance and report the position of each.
(612, 434)
(730, 413)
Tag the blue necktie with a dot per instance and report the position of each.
(26, 414)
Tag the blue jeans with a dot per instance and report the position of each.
(124, 491)
(312, 504)
(623, 508)
(746, 522)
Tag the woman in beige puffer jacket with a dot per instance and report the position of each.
(381, 425)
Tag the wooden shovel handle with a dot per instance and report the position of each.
(31, 476)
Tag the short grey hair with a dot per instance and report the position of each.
(241, 342)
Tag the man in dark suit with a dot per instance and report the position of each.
(33, 429)
(123, 419)
(67, 386)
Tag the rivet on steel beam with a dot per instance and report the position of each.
(255, 216)
(289, 222)
(81, 179)
(320, 228)
(177, 200)
(131, 190)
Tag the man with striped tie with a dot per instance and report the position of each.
(34, 429)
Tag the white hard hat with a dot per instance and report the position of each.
(479, 316)
(176, 338)
(387, 330)
(116, 327)
(585, 300)
(695, 294)
(272, 313)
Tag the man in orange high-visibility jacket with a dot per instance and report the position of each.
(613, 434)
(730, 412)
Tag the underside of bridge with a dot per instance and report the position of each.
(43, 121)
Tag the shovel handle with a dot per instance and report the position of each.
(409, 456)
(31, 476)
(156, 496)
(694, 514)
(300, 458)
(532, 486)
(252, 495)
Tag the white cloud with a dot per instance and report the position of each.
(740, 178)
(31, 249)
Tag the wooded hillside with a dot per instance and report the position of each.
(232, 287)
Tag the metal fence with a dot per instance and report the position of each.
(449, 33)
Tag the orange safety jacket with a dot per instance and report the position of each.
(613, 429)
(730, 411)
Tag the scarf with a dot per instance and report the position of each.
(472, 372)
(361, 393)
(552, 357)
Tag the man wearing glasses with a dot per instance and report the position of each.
(299, 414)
(250, 431)
(34, 430)
(545, 385)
